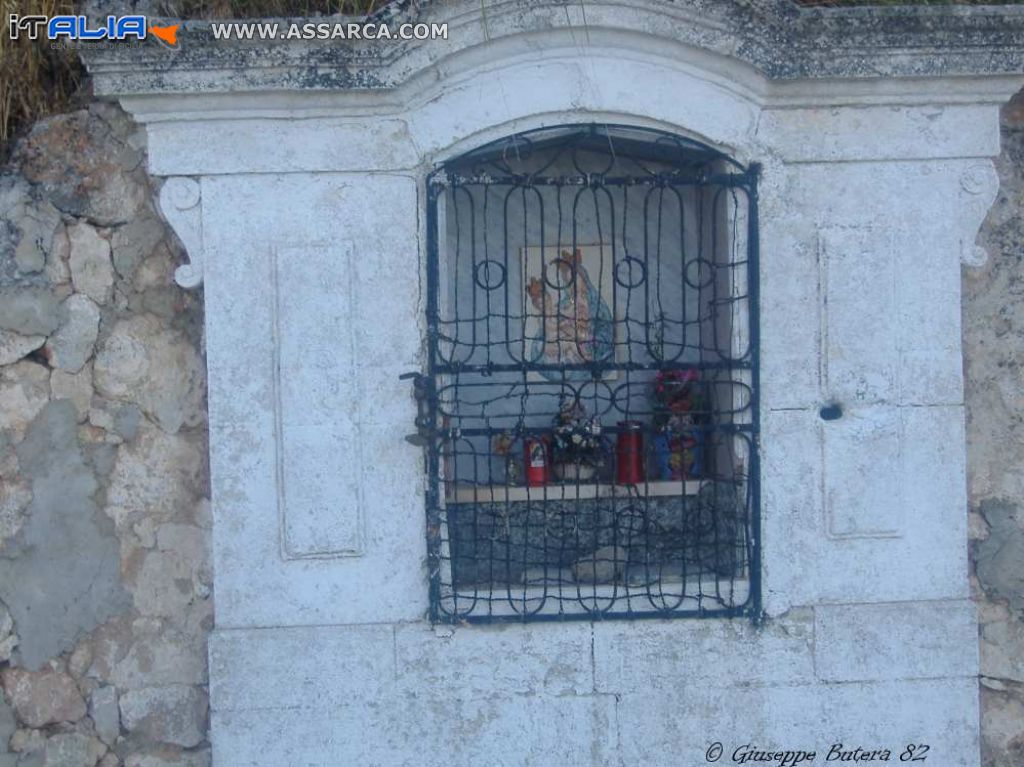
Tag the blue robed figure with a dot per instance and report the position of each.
(577, 323)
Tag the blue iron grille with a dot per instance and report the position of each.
(589, 409)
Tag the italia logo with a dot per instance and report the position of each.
(79, 28)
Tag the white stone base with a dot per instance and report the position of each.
(642, 692)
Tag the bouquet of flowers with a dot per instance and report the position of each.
(576, 438)
(676, 395)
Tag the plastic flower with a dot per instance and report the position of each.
(675, 395)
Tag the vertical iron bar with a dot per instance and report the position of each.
(433, 445)
(753, 314)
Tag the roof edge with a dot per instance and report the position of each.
(781, 41)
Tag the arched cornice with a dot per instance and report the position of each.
(774, 37)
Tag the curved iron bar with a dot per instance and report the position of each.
(663, 286)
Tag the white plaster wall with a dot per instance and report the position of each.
(321, 654)
(350, 406)
(860, 305)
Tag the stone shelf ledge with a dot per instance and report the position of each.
(571, 492)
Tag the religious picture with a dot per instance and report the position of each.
(567, 308)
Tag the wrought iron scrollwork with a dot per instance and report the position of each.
(591, 287)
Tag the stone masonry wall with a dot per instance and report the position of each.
(993, 312)
(105, 581)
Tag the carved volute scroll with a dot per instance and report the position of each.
(979, 186)
(179, 202)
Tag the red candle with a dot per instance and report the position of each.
(629, 453)
(536, 461)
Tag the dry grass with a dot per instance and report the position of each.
(254, 9)
(238, 9)
(36, 80)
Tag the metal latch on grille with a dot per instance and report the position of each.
(422, 390)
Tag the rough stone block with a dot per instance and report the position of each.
(14, 346)
(25, 741)
(133, 242)
(72, 749)
(1002, 647)
(76, 387)
(163, 586)
(175, 714)
(24, 391)
(157, 474)
(169, 657)
(103, 710)
(69, 153)
(92, 272)
(146, 362)
(15, 496)
(43, 697)
(57, 270)
(1001, 715)
(35, 223)
(8, 637)
(999, 558)
(72, 345)
(29, 310)
(7, 724)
